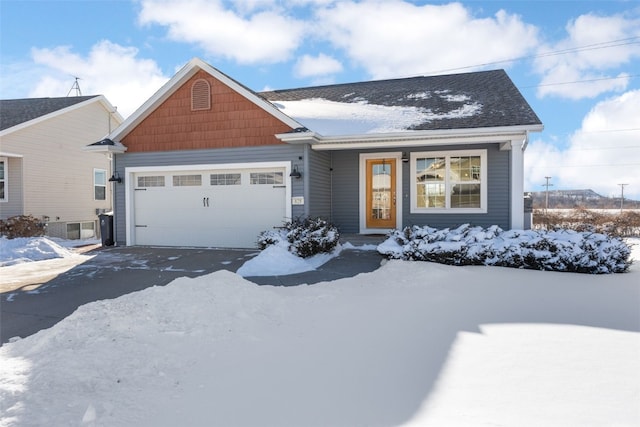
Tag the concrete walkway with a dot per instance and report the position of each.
(115, 271)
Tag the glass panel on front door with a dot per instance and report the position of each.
(381, 193)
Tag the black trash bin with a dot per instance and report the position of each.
(106, 229)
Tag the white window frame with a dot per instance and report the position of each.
(95, 184)
(5, 179)
(447, 155)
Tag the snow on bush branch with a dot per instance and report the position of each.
(303, 237)
(558, 250)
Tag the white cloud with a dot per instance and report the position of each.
(597, 45)
(395, 38)
(314, 66)
(603, 153)
(109, 69)
(266, 36)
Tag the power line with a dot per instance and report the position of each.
(611, 130)
(582, 81)
(572, 149)
(546, 166)
(594, 46)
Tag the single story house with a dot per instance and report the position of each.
(208, 162)
(45, 171)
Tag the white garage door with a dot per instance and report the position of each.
(207, 208)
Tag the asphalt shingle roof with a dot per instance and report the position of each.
(496, 99)
(16, 111)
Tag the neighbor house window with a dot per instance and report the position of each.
(200, 95)
(3, 179)
(80, 230)
(99, 184)
(449, 182)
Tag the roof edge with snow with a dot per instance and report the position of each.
(502, 134)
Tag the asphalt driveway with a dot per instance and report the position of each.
(116, 271)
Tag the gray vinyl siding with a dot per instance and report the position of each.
(345, 181)
(332, 180)
(346, 190)
(274, 153)
(319, 184)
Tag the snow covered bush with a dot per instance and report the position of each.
(21, 226)
(303, 237)
(557, 250)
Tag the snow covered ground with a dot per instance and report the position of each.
(24, 261)
(411, 344)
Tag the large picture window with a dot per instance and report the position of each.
(449, 182)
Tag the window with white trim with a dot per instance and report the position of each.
(99, 184)
(3, 179)
(449, 182)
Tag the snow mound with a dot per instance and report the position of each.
(27, 249)
(277, 260)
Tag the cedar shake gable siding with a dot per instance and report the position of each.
(233, 121)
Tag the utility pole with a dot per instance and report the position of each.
(546, 193)
(621, 195)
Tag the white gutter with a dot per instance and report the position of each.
(409, 138)
(3, 154)
(106, 149)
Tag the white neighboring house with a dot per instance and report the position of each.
(45, 170)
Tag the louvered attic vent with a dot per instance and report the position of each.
(200, 95)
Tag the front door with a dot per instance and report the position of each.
(381, 193)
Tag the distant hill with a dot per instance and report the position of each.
(567, 199)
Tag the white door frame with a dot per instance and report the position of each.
(129, 182)
(397, 155)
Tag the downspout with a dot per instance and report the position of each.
(113, 202)
(331, 186)
(517, 183)
(306, 180)
(113, 187)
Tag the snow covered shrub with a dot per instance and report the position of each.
(557, 250)
(303, 237)
(21, 226)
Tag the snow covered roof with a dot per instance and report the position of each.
(458, 101)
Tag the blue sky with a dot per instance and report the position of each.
(576, 62)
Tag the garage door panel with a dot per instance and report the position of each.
(206, 215)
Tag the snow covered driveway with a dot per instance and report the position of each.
(412, 343)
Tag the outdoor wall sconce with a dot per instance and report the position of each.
(115, 178)
(296, 173)
(405, 157)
